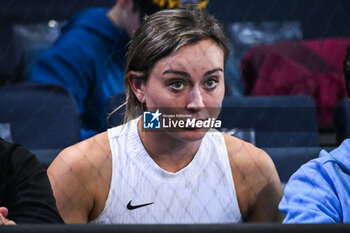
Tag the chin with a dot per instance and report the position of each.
(190, 134)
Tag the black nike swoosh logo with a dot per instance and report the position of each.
(132, 207)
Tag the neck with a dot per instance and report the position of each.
(114, 16)
(170, 154)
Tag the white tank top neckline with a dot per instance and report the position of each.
(202, 192)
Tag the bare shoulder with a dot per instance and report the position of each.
(80, 178)
(84, 155)
(247, 156)
(258, 186)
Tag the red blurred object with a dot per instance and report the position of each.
(306, 67)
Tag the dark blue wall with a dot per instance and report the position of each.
(319, 18)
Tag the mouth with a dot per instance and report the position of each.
(188, 122)
(197, 124)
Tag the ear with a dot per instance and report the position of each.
(138, 86)
(124, 3)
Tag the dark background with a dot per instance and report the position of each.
(319, 18)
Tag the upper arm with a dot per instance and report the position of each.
(69, 177)
(267, 188)
(310, 197)
(258, 186)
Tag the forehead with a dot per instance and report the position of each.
(206, 54)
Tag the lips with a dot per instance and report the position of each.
(196, 122)
(195, 125)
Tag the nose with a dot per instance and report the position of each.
(195, 100)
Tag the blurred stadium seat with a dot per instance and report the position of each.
(40, 116)
(342, 120)
(288, 159)
(115, 118)
(285, 121)
(46, 156)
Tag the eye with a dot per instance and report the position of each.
(177, 85)
(211, 83)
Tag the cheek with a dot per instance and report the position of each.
(216, 97)
(221, 93)
(213, 102)
(215, 107)
(158, 97)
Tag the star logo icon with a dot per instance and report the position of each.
(156, 115)
(151, 120)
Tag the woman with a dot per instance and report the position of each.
(169, 175)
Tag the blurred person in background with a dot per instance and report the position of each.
(25, 191)
(134, 175)
(319, 191)
(89, 57)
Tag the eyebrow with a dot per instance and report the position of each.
(182, 73)
(187, 75)
(212, 71)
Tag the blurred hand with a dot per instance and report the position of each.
(3, 220)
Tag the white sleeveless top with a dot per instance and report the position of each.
(143, 193)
